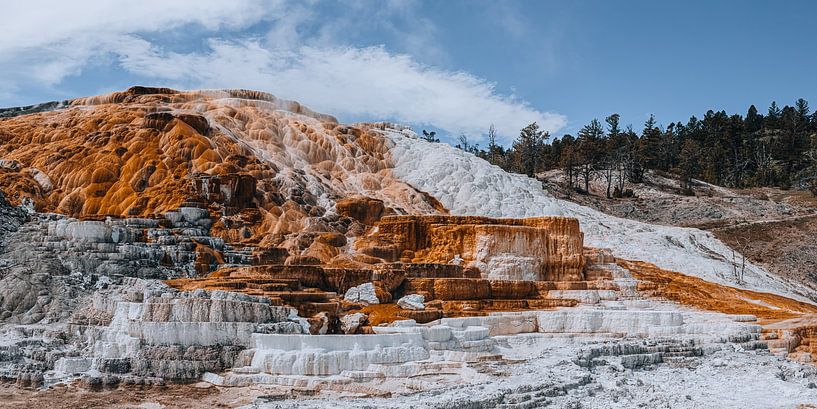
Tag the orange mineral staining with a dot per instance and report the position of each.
(264, 167)
(539, 249)
(710, 296)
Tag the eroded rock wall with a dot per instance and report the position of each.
(544, 249)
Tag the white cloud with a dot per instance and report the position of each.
(324, 74)
(45, 41)
(44, 22)
(351, 81)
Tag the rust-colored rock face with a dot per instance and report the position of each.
(306, 207)
(265, 166)
(544, 248)
(363, 209)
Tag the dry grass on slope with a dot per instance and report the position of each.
(784, 247)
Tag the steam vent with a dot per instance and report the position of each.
(254, 251)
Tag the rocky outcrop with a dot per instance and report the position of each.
(544, 249)
(363, 294)
(11, 217)
(148, 330)
(32, 109)
(215, 306)
(406, 349)
(233, 191)
(179, 245)
(333, 354)
(411, 302)
(446, 289)
(352, 323)
(363, 209)
(264, 171)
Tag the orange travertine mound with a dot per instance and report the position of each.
(145, 151)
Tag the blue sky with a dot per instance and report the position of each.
(455, 65)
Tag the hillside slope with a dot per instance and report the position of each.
(278, 168)
(772, 227)
(466, 184)
(273, 170)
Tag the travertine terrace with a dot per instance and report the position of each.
(267, 167)
(234, 239)
(459, 265)
(533, 249)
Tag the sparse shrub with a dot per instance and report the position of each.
(430, 136)
(627, 193)
(785, 182)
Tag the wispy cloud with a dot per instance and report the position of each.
(45, 41)
(294, 56)
(350, 81)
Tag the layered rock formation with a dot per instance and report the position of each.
(406, 349)
(144, 331)
(235, 238)
(534, 249)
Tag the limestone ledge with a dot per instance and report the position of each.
(157, 332)
(405, 348)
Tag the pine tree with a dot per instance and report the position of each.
(754, 121)
(568, 163)
(773, 117)
(689, 165)
(788, 145)
(649, 144)
(613, 129)
(634, 166)
(612, 152)
(589, 149)
(527, 149)
(802, 110)
(668, 147)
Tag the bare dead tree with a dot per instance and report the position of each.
(492, 146)
(764, 162)
(607, 169)
(621, 165)
(809, 180)
(739, 268)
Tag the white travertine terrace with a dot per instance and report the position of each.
(394, 349)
